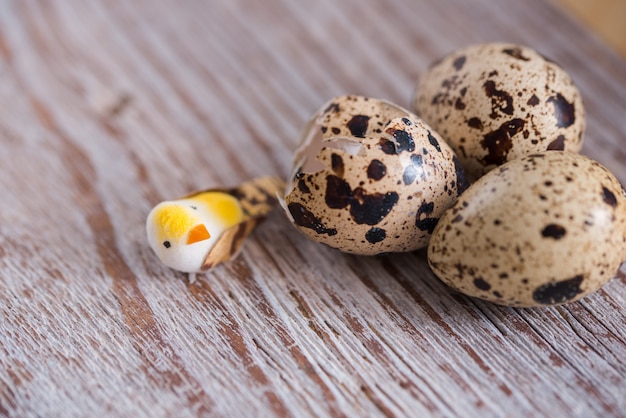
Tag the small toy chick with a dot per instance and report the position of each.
(197, 232)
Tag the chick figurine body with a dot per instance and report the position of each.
(197, 232)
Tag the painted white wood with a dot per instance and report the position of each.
(107, 107)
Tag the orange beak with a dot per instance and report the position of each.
(198, 233)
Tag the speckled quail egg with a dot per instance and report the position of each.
(545, 229)
(370, 177)
(496, 102)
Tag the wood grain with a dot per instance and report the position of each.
(107, 108)
(605, 17)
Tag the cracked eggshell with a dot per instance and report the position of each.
(370, 177)
(496, 102)
(542, 230)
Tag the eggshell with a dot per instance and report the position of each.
(370, 178)
(541, 230)
(496, 102)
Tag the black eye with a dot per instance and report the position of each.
(194, 207)
(167, 244)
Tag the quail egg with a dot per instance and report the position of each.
(496, 102)
(370, 177)
(541, 230)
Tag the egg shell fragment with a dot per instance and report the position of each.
(370, 177)
(496, 102)
(542, 230)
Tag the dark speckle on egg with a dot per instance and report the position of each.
(459, 62)
(410, 174)
(558, 292)
(423, 221)
(499, 142)
(533, 101)
(375, 235)
(305, 218)
(475, 123)
(337, 164)
(358, 125)
(433, 141)
(515, 52)
(558, 144)
(387, 146)
(564, 111)
(371, 209)
(303, 187)
(376, 170)
(501, 101)
(553, 231)
(404, 140)
(608, 197)
(481, 284)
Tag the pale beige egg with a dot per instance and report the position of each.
(370, 177)
(541, 230)
(496, 102)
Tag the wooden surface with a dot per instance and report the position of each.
(107, 107)
(607, 18)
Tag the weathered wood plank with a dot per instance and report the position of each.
(109, 107)
(605, 17)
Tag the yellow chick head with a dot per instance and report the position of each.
(182, 232)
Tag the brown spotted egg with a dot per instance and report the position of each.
(370, 177)
(496, 102)
(545, 229)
